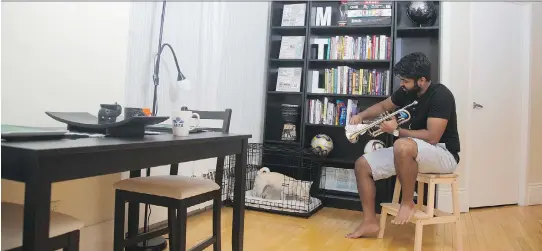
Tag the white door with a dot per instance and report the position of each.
(498, 66)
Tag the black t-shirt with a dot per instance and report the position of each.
(438, 102)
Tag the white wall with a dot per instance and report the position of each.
(63, 57)
(221, 48)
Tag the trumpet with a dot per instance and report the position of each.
(354, 131)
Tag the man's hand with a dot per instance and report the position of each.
(356, 119)
(389, 125)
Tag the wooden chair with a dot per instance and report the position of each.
(177, 193)
(426, 215)
(63, 230)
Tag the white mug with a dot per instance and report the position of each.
(183, 122)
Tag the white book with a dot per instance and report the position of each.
(291, 47)
(293, 14)
(289, 79)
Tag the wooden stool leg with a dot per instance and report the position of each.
(181, 228)
(73, 241)
(217, 206)
(457, 212)
(418, 236)
(172, 227)
(118, 227)
(383, 217)
(421, 194)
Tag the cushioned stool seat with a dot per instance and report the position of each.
(172, 186)
(12, 225)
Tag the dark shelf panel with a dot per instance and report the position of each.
(351, 30)
(345, 95)
(289, 30)
(340, 161)
(323, 125)
(286, 62)
(340, 201)
(285, 93)
(282, 142)
(418, 31)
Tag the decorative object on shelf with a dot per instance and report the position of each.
(133, 127)
(322, 144)
(373, 145)
(294, 14)
(289, 79)
(368, 13)
(422, 13)
(353, 132)
(343, 10)
(290, 115)
(322, 18)
(108, 113)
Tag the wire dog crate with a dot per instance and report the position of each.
(279, 179)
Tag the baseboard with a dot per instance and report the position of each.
(534, 194)
(444, 200)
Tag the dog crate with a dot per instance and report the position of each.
(293, 193)
(282, 179)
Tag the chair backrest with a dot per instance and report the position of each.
(225, 116)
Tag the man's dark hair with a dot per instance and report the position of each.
(413, 66)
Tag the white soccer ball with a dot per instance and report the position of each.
(373, 145)
(322, 144)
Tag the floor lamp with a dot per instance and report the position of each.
(158, 243)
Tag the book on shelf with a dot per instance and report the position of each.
(368, 47)
(289, 79)
(291, 47)
(293, 14)
(328, 111)
(351, 81)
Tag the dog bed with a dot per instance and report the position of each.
(288, 205)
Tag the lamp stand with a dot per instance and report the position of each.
(158, 243)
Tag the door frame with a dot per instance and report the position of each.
(525, 110)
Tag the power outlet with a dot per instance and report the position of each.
(54, 205)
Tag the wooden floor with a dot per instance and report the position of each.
(492, 229)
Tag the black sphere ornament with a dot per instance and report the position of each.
(422, 13)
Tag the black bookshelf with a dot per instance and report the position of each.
(405, 37)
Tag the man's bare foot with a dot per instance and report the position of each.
(364, 229)
(406, 211)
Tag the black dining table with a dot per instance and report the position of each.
(39, 163)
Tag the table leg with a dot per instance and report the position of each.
(239, 198)
(133, 212)
(37, 204)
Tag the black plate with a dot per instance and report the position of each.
(87, 120)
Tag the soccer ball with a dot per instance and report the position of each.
(322, 144)
(373, 145)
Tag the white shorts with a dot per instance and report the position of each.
(431, 159)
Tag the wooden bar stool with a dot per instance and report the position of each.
(426, 215)
(177, 193)
(63, 230)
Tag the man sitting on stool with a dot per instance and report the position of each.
(430, 145)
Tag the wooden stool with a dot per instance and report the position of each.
(426, 215)
(63, 230)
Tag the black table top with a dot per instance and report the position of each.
(81, 145)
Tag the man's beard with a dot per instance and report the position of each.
(414, 91)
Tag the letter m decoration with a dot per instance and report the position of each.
(323, 18)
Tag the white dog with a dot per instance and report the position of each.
(265, 179)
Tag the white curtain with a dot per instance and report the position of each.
(221, 48)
